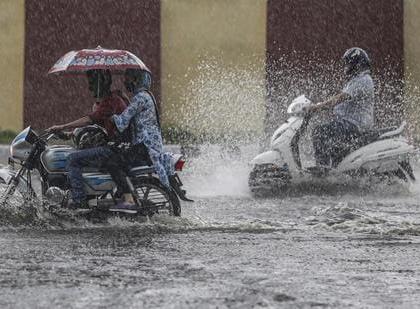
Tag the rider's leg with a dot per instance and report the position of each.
(320, 137)
(92, 157)
(329, 138)
(117, 169)
(119, 162)
(117, 166)
(345, 133)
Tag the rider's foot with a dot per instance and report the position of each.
(125, 207)
(79, 206)
(319, 170)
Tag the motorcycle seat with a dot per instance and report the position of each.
(89, 169)
(141, 170)
(136, 170)
(132, 170)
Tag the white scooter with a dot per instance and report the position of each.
(380, 152)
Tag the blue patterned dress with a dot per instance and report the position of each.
(142, 114)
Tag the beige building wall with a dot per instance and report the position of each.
(12, 25)
(412, 64)
(213, 65)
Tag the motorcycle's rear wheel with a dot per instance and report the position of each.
(156, 198)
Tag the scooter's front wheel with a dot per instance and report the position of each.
(268, 179)
(155, 198)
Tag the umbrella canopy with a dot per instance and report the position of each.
(77, 62)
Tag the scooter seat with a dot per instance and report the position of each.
(392, 131)
(386, 130)
(364, 139)
(376, 134)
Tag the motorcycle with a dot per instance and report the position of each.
(378, 152)
(31, 152)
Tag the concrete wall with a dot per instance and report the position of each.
(213, 64)
(12, 16)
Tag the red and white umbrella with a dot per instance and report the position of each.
(99, 58)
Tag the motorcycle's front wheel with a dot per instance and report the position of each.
(7, 194)
(17, 185)
(155, 198)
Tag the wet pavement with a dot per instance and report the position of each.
(339, 247)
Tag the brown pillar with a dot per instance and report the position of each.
(54, 27)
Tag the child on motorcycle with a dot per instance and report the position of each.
(352, 108)
(142, 120)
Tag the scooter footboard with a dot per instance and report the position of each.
(268, 157)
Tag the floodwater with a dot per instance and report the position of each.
(339, 247)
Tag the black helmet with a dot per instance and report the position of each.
(89, 136)
(137, 79)
(356, 60)
(99, 82)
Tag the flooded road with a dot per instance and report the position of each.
(340, 247)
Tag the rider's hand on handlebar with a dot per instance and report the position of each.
(56, 128)
(313, 108)
(309, 109)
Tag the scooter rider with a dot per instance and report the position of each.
(352, 108)
(107, 104)
(142, 120)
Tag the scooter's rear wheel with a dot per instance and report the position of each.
(407, 170)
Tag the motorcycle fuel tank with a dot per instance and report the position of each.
(54, 159)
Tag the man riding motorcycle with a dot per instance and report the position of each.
(352, 109)
(142, 120)
(107, 104)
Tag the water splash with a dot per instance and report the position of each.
(221, 104)
(219, 171)
(350, 217)
(225, 107)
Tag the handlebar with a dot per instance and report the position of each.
(47, 135)
(61, 135)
